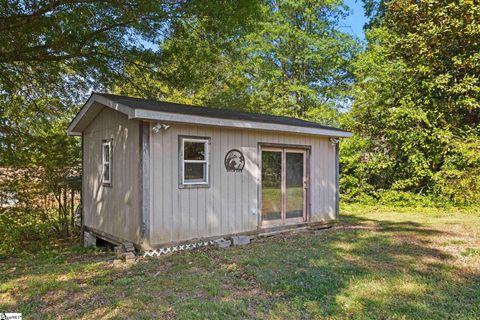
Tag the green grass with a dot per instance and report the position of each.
(377, 263)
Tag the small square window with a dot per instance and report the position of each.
(107, 162)
(194, 161)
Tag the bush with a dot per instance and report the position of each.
(368, 178)
(404, 199)
(27, 230)
(459, 178)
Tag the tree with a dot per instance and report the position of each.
(292, 60)
(298, 62)
(375, 12)
(417, 100)
(53, 53)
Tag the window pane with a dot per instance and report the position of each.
(106, 172)
(195, 172)
(271, 185)
(106, 152)
(194, 150)
(294, 181)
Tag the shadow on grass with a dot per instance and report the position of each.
(363, 268)
(367, 268)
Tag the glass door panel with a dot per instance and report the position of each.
(283, 185)
(271, 185)
(294, 188)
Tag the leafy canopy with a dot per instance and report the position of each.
(417, 102)
(293, 61)
(52, 53)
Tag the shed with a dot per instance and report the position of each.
(158, 173)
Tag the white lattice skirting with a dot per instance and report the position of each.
(181, 247)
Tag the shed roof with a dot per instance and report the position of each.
(137, 108)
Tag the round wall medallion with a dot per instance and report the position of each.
(234, 161)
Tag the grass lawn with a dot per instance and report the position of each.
(375, 264)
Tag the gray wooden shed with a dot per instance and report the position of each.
(158, 173)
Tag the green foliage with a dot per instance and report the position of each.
(416, 86)
(19, 227)
(459, 176)
(80, 44)
(439, 41)
(298, 60)
(52, 54)
(374, 11)
(290, 60)
(37, 158)
(354, 177)
(417, 105)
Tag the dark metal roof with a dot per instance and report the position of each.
(137, 103)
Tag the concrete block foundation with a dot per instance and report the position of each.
(89, 240)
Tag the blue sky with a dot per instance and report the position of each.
(353, 24)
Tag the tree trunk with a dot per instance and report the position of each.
(72, 209)
(65, 211)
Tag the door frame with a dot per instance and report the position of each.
(306, 149)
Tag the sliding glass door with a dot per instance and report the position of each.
(284, 186)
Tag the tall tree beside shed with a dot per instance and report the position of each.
(294, 60)
(52, 53)
(417, 101)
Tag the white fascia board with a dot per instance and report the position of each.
(72, 128)
(210, 121)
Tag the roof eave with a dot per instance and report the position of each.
(144, 114)
(74, 133)
(77, 125)
(83, 119)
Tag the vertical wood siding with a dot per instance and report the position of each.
(230, 204)
(114, 210)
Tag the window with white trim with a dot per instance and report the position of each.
(194, 161)
(107, 162)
